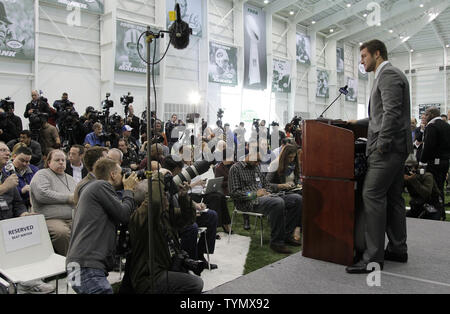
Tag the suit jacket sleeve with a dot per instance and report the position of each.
(430, 143)
(391, 86)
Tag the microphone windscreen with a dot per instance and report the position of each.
(179, 33)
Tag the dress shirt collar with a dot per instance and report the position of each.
(381, 66)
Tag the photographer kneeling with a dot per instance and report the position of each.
(426, 201)
(170, 272)
(99, 210)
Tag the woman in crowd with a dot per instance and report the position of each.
(285, 171)
(51, 193)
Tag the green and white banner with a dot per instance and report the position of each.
(281, 81)
(191, 13)
(222, 64)
(17, 29)
(352, 95)
(127, 56)
(94, 6)
(322, 84)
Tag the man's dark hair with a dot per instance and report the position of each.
(444, 116)
(170, 164)
(23, 150)
(433, 112)
(92, 155)
(65, 94)
(80, 148)
(374, 46)
(25, 132)
(103, 167)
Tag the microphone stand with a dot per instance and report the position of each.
(340, 94)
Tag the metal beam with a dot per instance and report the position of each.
(278, 5)
(413, 28)
(342, 15)
(401, 10)
(320, 6)
(438, 35)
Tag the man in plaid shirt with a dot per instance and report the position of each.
(251, 192)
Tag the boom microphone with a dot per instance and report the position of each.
(344, 90)
(179, 31)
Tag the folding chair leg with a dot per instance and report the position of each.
(261, 230)
(207, 251)
(231, 226)
(57, 284)
(256, 222)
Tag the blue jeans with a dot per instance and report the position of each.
(92, 281)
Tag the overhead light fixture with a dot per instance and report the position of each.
(291, 12)
(349, 5)
(448, 46)
(401, 37)
(360, 43)
(365, 14)
(421, 5)
(266, 1)
(391, 31)
(331, 30)
(412, 50)
(313, 22)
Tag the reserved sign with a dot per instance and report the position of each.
(21, 233)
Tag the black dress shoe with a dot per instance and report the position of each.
(209, 265)
(361, 268)
(396, 257)
(246, 222)
(293, 242)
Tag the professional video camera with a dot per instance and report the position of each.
(7, 104)
(220, 113)
(296, 121)
(107, 103)
(37, 119)
(296, 129)
(126, 100)
(256, 123)
(274, 124)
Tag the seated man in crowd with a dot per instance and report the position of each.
(250, 192)
(24, 171)
(130, 158)
(11, 206)
(89, 159)
(74, 165)
(51, 194)
(99, 210)
(426, 200)
(25, 137)
(93, 138)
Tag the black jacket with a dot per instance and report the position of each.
(436, 142)
(69, 170)
(9, 131)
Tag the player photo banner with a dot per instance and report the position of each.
(94, 6)
(255, 56)
(322, 84)
(17, 29)
(127, 57)
(352, 90)
(191, 13)
(222, 64)
(303, 49)
(281, 81)
(340, 60)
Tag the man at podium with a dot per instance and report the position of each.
(388, 145)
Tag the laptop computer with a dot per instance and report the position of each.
(213, 185)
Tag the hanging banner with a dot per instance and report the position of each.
(340, 60)
(352, 90)
(191, 13)
(281, 81)
(222, 64)
(303, 49)
(17, 29)
(322, 84)
(94, 6)
(127, 56)
(255, 63)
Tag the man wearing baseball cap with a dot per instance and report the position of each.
(132, 142)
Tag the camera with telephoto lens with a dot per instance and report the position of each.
(126, 99)
(274, 124)
(181, 262)
(7, 104)
(410, 170)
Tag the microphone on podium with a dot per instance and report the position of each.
(342, 91)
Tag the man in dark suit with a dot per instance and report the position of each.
(388, 144)
(436, 148)
(75, 166)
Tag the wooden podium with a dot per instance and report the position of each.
(328, 191)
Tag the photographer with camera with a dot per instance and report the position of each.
(25, 137)
(95, 138)
(170, 126)
(170, 212)
(426, 199)
(8, 130)
(63, 105)
(8, 105)
(39, 104)
(99, 210)
(133, 121)
(130, 158)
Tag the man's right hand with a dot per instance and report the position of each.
(130, 182)
(352, 121)
(262, 192)
(30, 111)
(11, 182)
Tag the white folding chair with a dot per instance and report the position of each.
(28, 262)
(200, 231)
(258, 216)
